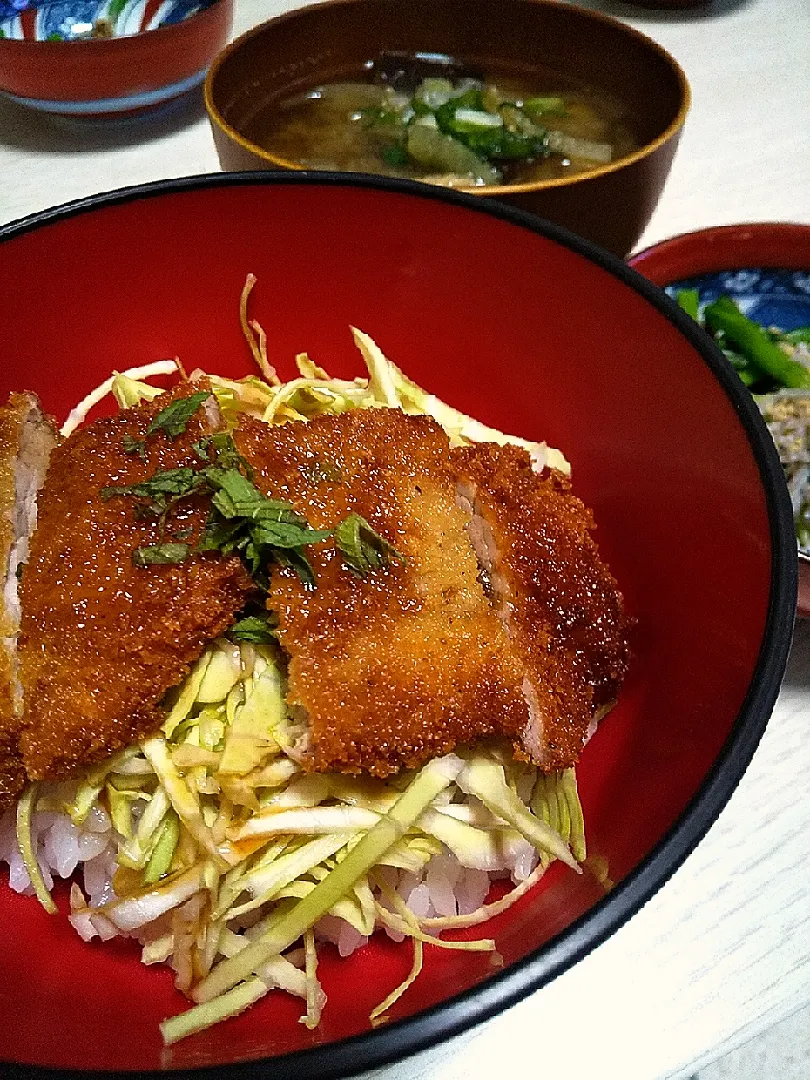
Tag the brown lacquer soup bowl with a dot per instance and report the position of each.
(538, 44)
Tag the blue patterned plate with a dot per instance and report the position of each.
(98, 59)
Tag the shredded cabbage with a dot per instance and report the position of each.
(305, 848)
(128, 391)
(79, 414)
(25, 842)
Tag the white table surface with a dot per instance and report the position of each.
(723, 950)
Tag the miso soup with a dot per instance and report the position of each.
(450, 127)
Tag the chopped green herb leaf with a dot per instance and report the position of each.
(261, 530)
(172, 420)
(226, 454)
(296, 559)
(222, 536)
(202, 448)
(258, 629)
(234, 494)
(132, 445)
(362, 548)
(243, 521)
(275, 523)
(160, 490)
(161, 554)
(280, 534)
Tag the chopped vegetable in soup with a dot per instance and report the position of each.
(455, 131)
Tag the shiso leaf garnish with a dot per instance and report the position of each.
(173, 420)
(362, 548)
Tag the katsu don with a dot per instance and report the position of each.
(490, 614)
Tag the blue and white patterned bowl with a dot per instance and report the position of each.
(72, 20)
(107, 58)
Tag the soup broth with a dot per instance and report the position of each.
(451, 128)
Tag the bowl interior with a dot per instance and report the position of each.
(538, 338)
(770, 296)
(79, 20)
(544, 43)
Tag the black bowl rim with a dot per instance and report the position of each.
(393, 1042)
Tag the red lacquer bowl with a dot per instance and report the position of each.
(111, 77)
(532, 330)
(747, 247)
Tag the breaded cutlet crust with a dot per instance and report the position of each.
(103, 640)
(561, 603)
(391, 670)
(12, 771)
(12, 416)
(411, 661)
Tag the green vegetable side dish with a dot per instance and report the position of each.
(775, 366)
(445, 129)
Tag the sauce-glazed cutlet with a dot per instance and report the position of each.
(557, 598)
(420, 657)
(103, 640)
(27, 438)
(412, 660)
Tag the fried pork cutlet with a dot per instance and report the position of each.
(557, 598)
(27, 438)
(493, 617)
(424, 655)
(103, 640)
(412, 660)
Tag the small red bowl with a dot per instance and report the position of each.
(757, 246)
(109, 77)
(531, 329)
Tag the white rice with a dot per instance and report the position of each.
(62, 848)
(87, 853)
